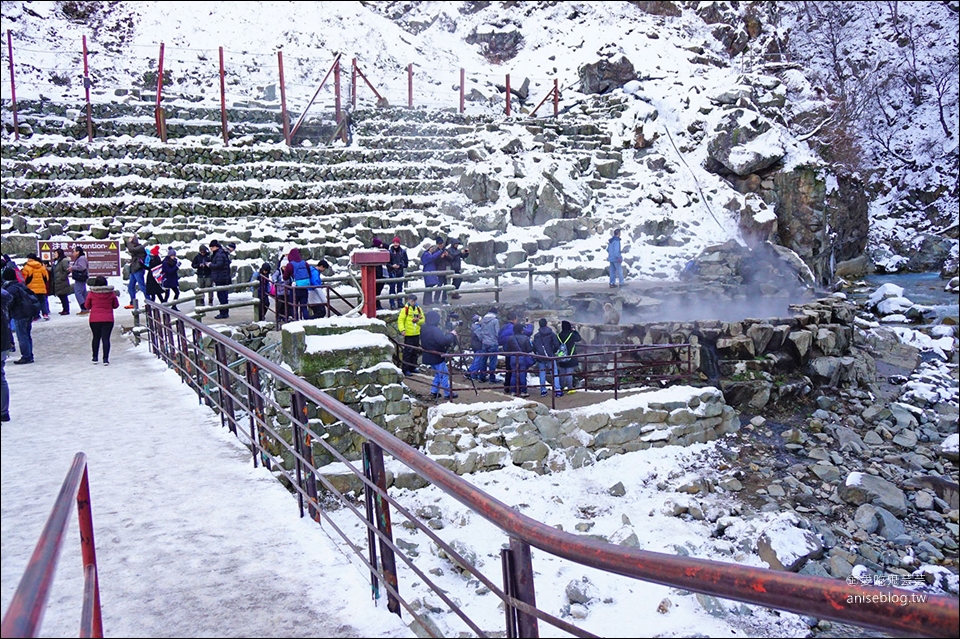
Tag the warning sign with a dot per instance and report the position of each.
(103, 256)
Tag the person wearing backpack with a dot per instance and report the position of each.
(569, 338)
(297, 271)
(170, 270)
(24, 309)
(37, 279)
(546, 344)
(519, 342)
(60, 280)
(138, 269)
(435, 343)
(398, 262)
(201, 265)
(80, 275)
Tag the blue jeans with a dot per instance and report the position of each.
(544, 367)
(566, 376)
(396, 287)
(136, 279)
(441, 379)
(484, 363)
(616, 273)
(24, 339)
(80, 292)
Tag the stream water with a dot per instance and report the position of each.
(926, 289)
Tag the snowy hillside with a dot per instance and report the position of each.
(695, 66)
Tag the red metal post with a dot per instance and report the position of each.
(283, 101)
(522, 564)
(369, 261)
(410, 85)
(86, 88)
(353, 85)
(88, 552)
(161, 130)
(336, 90)
(463, 75)
(13, 87)
(508, 95)
(382, 513)
(556, 97)
(223, 101)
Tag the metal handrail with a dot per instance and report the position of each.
(806, 595)
(25, 613)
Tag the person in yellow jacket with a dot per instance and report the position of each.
(37, 279)
(409, 321)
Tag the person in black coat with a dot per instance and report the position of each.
(546, 344)
(220, 274)
(435, 341)
(398, 262)
(457, 255)
(170, 269)
(520, 342)
(569, 337)
(6, 344)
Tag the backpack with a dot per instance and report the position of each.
(301, 274)
(564, 351)
(315, 277)
(25, 303)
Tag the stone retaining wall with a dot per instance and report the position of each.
(470, 438)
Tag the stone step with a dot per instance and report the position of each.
(165, 208)
(18, 190)
(82, 169)
(30, 151)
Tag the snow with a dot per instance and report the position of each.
(951, 444)
(230, 540)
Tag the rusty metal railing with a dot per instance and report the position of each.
(248, 392)
(24, 615)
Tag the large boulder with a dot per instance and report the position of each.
(783, 545)
(862, 488)
(744, 142)
(606, 75)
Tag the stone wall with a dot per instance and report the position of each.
(470, 438)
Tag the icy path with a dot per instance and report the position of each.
(192, 541)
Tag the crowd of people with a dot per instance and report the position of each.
(514, 341)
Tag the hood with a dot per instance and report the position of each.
(100, 289)
(544, 330)
(527, 329)
(433, 318)
(294, 255)
(565, 326)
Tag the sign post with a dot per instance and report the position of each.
(369, 261)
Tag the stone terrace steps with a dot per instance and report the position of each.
(399, 159)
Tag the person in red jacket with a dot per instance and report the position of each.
(101, 300)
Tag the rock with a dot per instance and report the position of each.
(665, 606)
(826, 472)
(784, 546)
(617, 490)
(711, 604)
(861, 488)
(866, 518)
(889, 526)
(905, 439)
(580, 591)
(731, 483)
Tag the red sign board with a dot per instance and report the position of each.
(103, 256)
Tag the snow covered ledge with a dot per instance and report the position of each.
(477, 437)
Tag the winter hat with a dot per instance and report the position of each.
(475, 318)
(155, 250)
(453, 241)
(171, 253)
(9, 275)
(203, 248)
(439, 240)
(565, 326)
(377, 242)
(396, 240)
(232, 246)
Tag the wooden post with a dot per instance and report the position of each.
(13, 87)
(353, 85)
(556, 98)
(336, 90)
(283, 101)
(508, 95)
(463, 76)
(86, 89)
(158, 111)
(223, 101)
(410, 85)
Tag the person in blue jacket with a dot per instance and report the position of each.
(431, 261)
(615, 258)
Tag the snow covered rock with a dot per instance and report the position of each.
(861, 488)
(785, 546)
